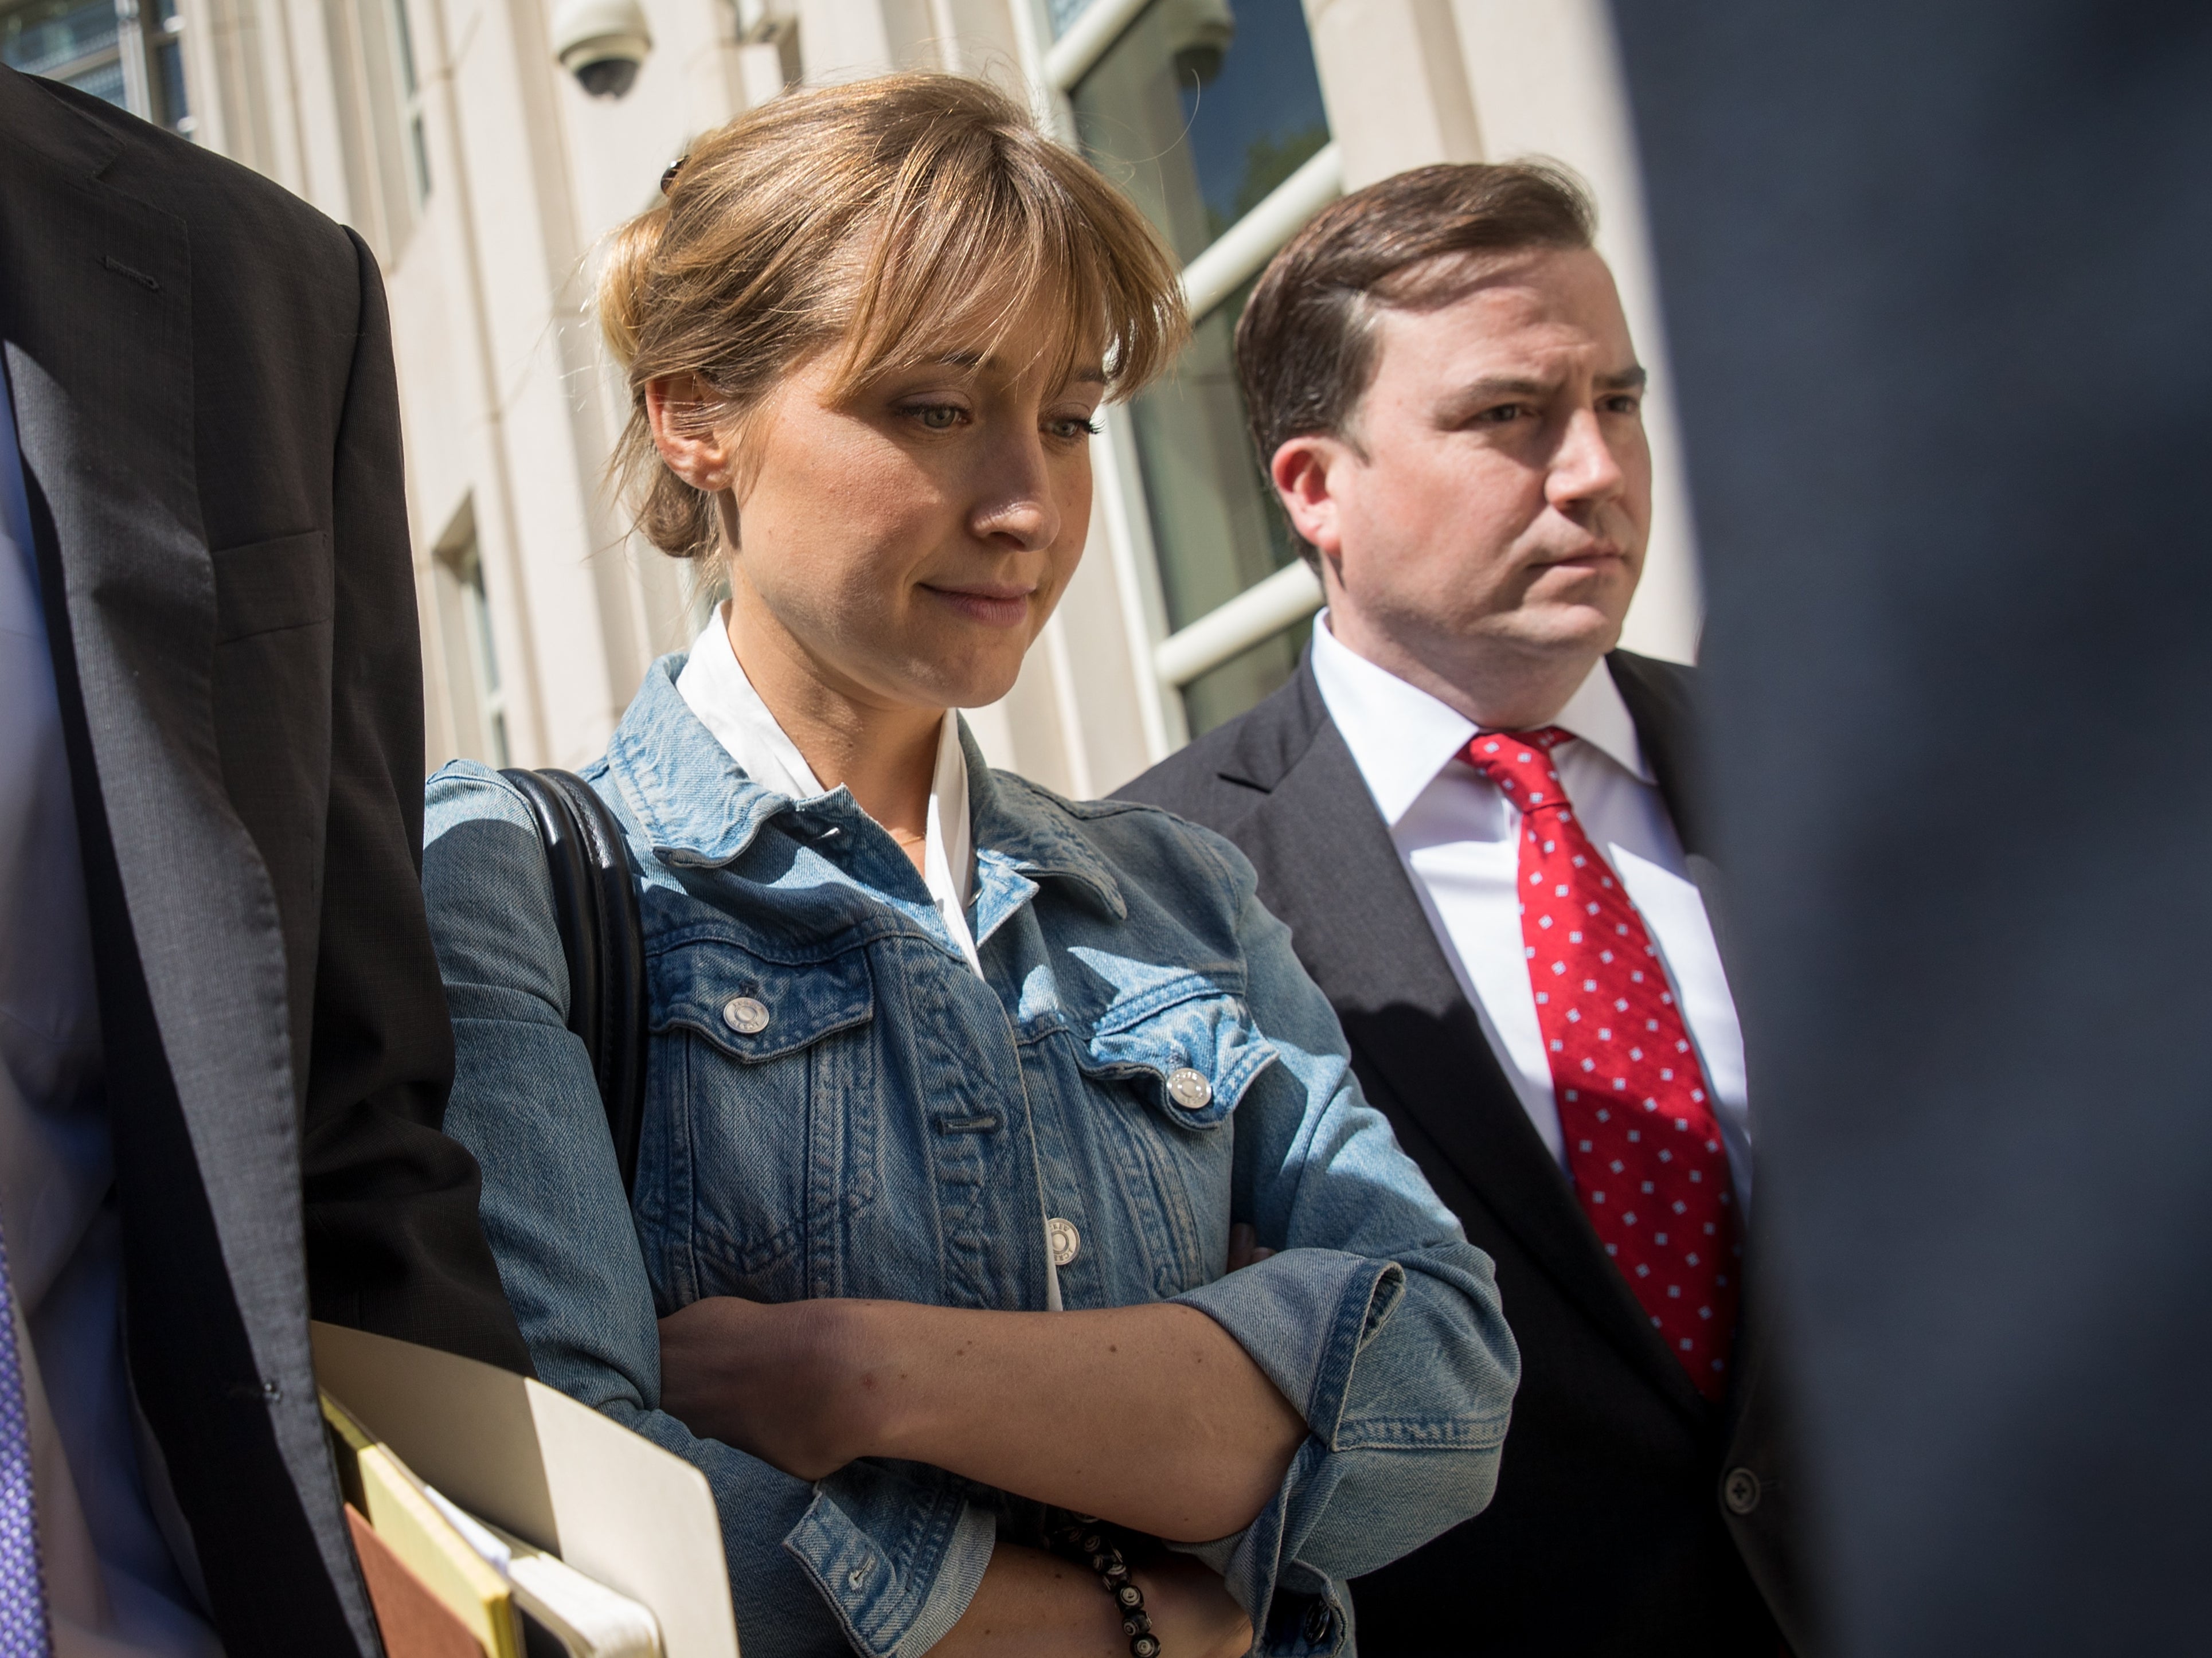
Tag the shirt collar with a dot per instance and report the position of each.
(1400, 736)
(698, 802)
(1597, 714)
(714, 687)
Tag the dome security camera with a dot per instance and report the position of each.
(1200, 33)
(601, 43)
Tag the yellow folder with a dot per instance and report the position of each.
(383, 1489)
(542, 1468)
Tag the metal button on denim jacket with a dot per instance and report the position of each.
(838, 1106)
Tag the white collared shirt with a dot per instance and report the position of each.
(1458, 838)
(714, 687)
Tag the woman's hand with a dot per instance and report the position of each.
(775, 1380)
(1245, 1249)
(1192, 1611)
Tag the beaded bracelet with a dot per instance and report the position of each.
(1088, 1540)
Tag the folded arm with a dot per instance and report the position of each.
(1152, 1417)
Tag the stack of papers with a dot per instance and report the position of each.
(495, 1518)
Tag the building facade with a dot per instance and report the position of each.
(485, 176)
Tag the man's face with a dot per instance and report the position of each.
(1492, 498)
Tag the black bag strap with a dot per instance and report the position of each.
(603, 938)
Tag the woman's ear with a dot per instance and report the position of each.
(680, 412)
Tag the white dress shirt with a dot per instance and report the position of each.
(1459, 838)
(112, 1587)
(714, 687)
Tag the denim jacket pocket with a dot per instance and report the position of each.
(1193, 1047)
(763, 1131)
(756, 1009)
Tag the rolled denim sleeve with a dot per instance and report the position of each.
(1378, 1318)
(880, 1558)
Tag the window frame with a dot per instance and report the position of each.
(1278, 602)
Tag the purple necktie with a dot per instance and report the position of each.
(23, 1631)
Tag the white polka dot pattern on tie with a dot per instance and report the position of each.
(1644, 1145)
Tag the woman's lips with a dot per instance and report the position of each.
(994, 607)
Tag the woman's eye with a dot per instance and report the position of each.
(938, 417)
(1073, 427)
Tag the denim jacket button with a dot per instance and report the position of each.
(1318, 1619)
(745, 1016)
(1189, 1089)
(1066, 1241)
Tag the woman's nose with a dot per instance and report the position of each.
(1017, 503)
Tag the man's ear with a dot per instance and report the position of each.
(697, 449)
(1306, 472)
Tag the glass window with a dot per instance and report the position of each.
(103, 81)
(410, 92)
(77, 42)
(101, 47)
(169, 84)
(1215, 522)
(491, 698)
(1199, 109)
(472, 682)
(1220, 694)
(165, 38)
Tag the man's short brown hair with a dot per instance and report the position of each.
(1305, 345)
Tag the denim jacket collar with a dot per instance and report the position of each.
(661, 753)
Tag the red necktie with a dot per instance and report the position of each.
(1642, 1145)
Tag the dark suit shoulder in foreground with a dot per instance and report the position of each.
(201, 370)
(296, 456)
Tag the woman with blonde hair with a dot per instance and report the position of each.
(956, 1090)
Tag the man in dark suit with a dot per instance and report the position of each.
(225, 1050)
(1939, 283)
(1481, 822)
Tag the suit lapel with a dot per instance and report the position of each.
(96, 310)
(1360, 930)
(1658, 704)
(1667, 725)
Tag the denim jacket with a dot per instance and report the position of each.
(838, 1106)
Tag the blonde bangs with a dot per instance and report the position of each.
(972, 241)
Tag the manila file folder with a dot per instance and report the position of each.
(554, 1472)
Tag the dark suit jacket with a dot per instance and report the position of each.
(1609, 1532)
(201, 376)
(1959, 654)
